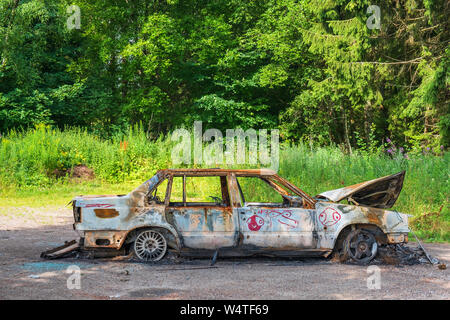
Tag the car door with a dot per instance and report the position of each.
(203, 225)
(275, 225)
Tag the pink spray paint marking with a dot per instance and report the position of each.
(282, 216)
(329, 217)
(99, 205)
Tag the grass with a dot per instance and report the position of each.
(60, 194)
(30, 160)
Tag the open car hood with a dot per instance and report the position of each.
(378, 193)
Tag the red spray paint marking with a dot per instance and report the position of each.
(99, 205)
(329, 217)
(255, 222)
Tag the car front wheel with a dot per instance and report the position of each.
(150, 245)
(361, 246)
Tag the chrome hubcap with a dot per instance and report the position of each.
(150, 245)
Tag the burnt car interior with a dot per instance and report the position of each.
(155, 197)
(182, 191)
(277, 195)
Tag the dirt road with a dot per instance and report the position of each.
(25, 232)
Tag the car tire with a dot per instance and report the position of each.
(150, 245)
(360, 246)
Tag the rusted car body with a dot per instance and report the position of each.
(300, 225)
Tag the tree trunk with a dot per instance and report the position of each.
(346, 135)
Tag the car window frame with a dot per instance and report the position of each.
(277, 188)
(223, 180)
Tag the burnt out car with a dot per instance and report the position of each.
(245, 212)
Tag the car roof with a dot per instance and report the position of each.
(219, 172)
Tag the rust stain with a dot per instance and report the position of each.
(106, 213)
(373, 218)
(115, 238)
(195, 220)
(240, 239)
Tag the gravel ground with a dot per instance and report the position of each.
(26, 232)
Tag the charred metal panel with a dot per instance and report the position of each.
(277, 227)
(107, 239)
(234, 191)
(92, 220)
(106, 213)
(333, 217)
(204, 227)
(128, 219)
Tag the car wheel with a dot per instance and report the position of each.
(150, 245)
(361, 246)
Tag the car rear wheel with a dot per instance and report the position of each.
(150, 245)
(361, 246)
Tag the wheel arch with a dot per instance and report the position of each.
(379, 234)
(171, 235)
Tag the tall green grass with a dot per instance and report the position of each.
(29, 160)
(426, 188)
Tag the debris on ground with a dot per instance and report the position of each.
(400, 254)
(432, 260)
(442, 266)
(68, 248)
(393, 254)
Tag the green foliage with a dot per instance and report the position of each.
(220, 113)
(35, 50)
(311, 68)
